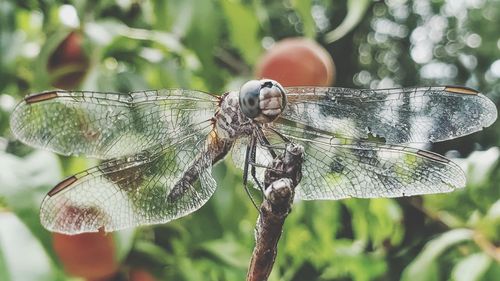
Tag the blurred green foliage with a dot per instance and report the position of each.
(213, 46)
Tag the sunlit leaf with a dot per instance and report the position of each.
(423, 268)
(172, 15)
(41, 75)
(106, 31)
(356, 9)
(243, 27)
(123, 241)
(152, 250)
(386, 224)
(493, 272)
(357, 267)
(203, 37)
(489, 225)
(228, 251)
(24, 182)
(22, 178)
(22, 256)
(480, 164)
(471, 268)
(303, 8)
(8, 40)
(494, 211)
(360, 220)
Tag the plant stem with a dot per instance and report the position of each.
(280, 181)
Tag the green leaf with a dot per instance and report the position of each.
(173, 15)
(356, 10)
(9, 40)
(423, 268)
(203, 37)
(4, 274)
(385, 223)
(493, 272)
(152, 250)
(480, 164)
(471, 268)
(123, 241)
(41, 75)
(25, 179)
(24, 182)
(105, 31)
(489, 225)
(359, 267)
(229, 251)
(303, 8)
(243, 29)
(22, 257)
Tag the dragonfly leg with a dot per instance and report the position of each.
(265, 142)
(245, 172)
(265, 167)
(253, 153)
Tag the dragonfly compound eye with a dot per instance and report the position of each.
(249, 98)
(262, 100)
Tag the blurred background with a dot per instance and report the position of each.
(215, 46)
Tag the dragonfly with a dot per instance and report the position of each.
(158, 147)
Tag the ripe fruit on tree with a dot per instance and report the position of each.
(138, 274)
(68, 63)
(297, 62)
(87, 255)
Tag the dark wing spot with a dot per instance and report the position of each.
(461, 90)
(336, 167)
(433, 156)
(62, 185)
(40, 97)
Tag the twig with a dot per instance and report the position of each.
(280, 182)
(489, 248)
(232, 62)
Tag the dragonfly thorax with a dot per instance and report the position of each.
(262, 100)
(230, 122)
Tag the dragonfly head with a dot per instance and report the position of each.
(262, 100)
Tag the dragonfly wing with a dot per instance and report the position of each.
(154, 186)
(397, 115)
(107, 125)
(238, 153)
(336, 168)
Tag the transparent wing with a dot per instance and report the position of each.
(399, 115)
(107, 125)
(336, 168)
(263, 156)
(154, 186)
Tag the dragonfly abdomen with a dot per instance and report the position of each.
(216, 150)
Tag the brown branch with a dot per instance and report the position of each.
(489, 248)
(280, 181)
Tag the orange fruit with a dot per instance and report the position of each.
(297, 62)
(141, 275)
(88, 255)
